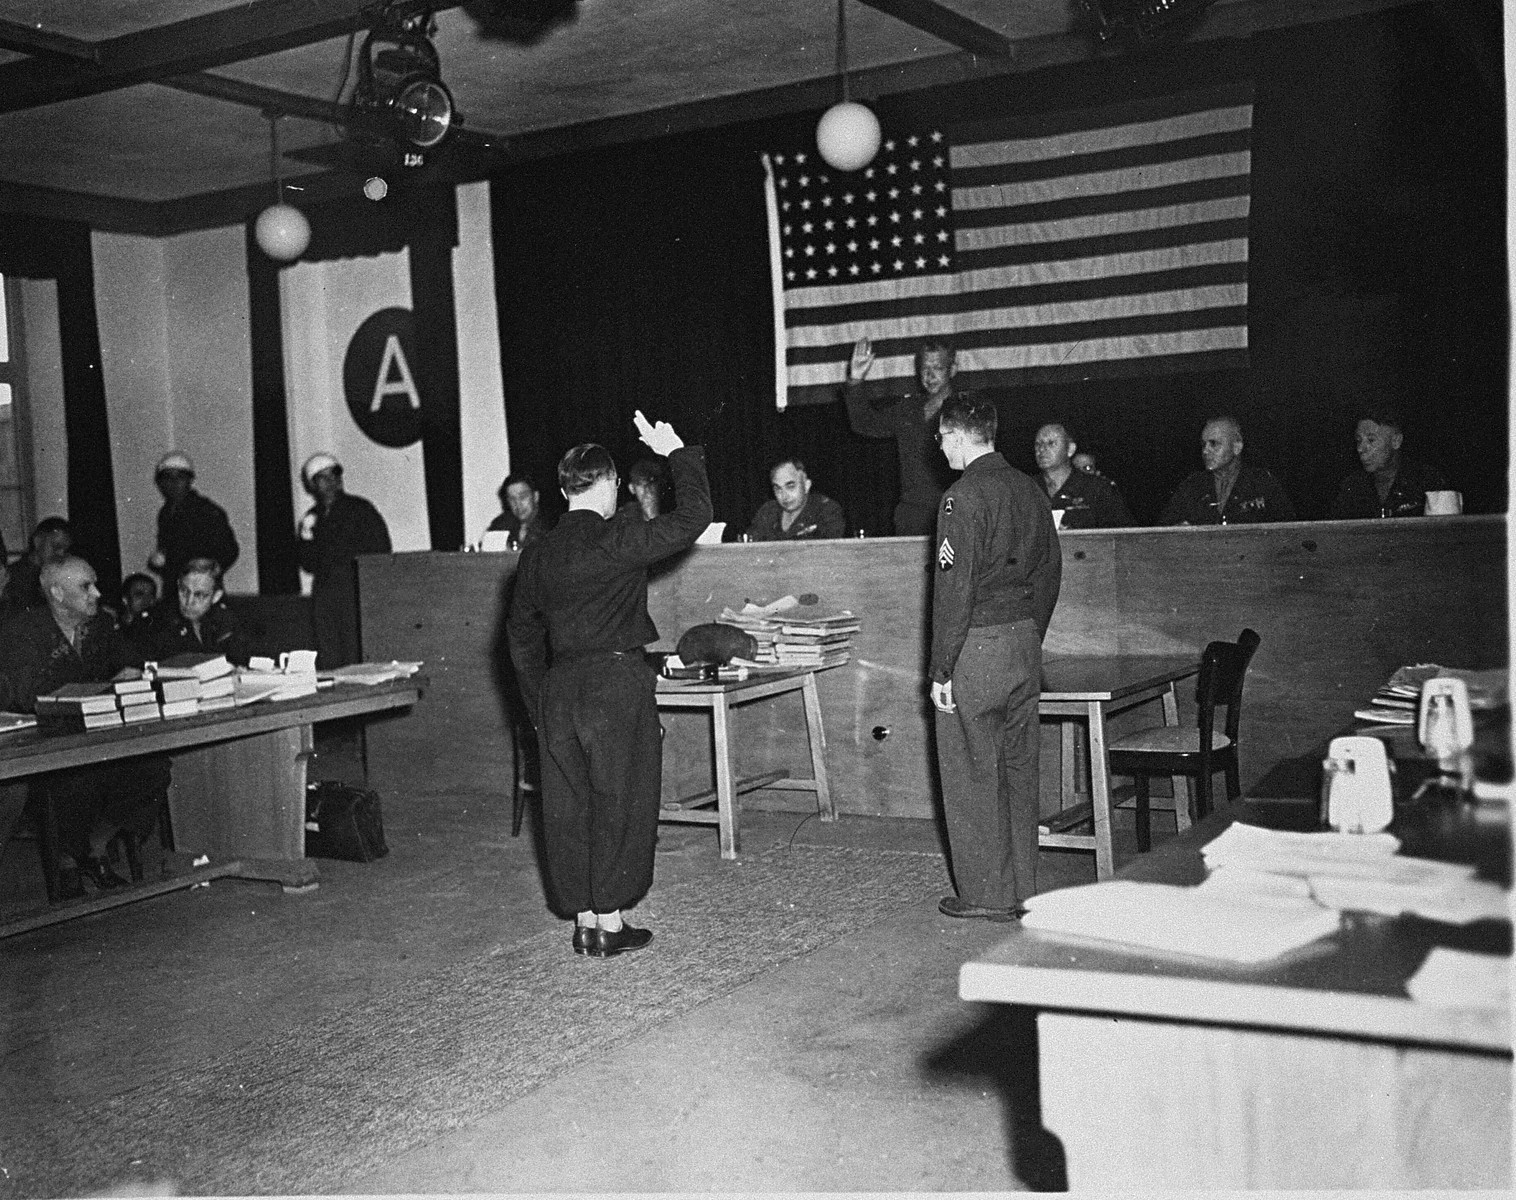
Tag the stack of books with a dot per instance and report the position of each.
(78, 706)
(138, 700)
(792, 638)
(194, 682)
(815, 641)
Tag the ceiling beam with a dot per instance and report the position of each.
(244, 31)
(951, 27)
(33, 39)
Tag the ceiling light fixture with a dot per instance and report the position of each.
(848, 133)
(400, 90)
(281, 230)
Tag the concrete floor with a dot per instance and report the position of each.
(853, 1068)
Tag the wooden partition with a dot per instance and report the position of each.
(1339, 605)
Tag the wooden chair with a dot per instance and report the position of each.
(1187, 750)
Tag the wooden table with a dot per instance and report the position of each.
(1312, 1071)
(720, 697)
(238, 790)
(1091, 689)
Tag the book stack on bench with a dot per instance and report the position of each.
(194, 682)
(78, 706)
(138, 700)
(816, 641)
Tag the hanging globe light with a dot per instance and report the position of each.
(282, 230)
(847, 136)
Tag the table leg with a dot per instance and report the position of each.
(1068, 792)
(245, 799)
(726, 775)
(817, 735)
(1100, 791)
(1181, 782)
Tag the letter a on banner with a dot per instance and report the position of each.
(392, 360)
(382, 391)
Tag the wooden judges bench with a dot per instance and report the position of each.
(1339, 605)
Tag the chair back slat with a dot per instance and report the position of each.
(1223, 670)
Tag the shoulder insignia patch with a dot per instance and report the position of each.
(947, 506)
(945, 555)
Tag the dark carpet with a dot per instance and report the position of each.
(324, 1102)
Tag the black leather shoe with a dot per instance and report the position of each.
(98, 871)
(608, 944)
(953, 906)
(584, 938)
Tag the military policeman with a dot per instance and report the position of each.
(581, 600)
(998, 570)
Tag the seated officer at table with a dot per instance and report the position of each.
(1087, 500)
(1389, 485)
(195, 618)
(1228, 491)
(521, 512)
(797, 510)
(72, 640)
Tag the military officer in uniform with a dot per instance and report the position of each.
(998, 570)
(577, 628)
(911, 420)
(1086, 500)
(1229, 491)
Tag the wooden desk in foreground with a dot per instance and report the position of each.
(1312, 1071)
(238, 790)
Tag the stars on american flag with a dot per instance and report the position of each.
(893, 195)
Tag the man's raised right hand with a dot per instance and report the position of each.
(862, 360)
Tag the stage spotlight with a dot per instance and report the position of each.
(400, 90)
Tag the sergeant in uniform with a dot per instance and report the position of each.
(997, 578)
(577, 628)
(1087, 500)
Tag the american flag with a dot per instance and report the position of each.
(1046, 248)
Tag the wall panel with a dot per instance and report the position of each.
(1339, 605)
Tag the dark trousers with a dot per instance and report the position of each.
(602, 776)
(120, 796)
(987, 756)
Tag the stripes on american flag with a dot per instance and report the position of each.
(1046, 248)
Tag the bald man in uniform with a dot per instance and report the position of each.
(1228, 491)
(998, 571)
(72, 640)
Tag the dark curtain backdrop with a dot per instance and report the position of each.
(638, 277)
(425, 218)
(60, 250)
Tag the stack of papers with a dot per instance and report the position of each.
(372, 673)
(1182, 920)
(1352, 872)
(1398, 701)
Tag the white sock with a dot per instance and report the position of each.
(611, 921)
(587, 918)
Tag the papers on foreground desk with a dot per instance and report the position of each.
(1268, 892)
